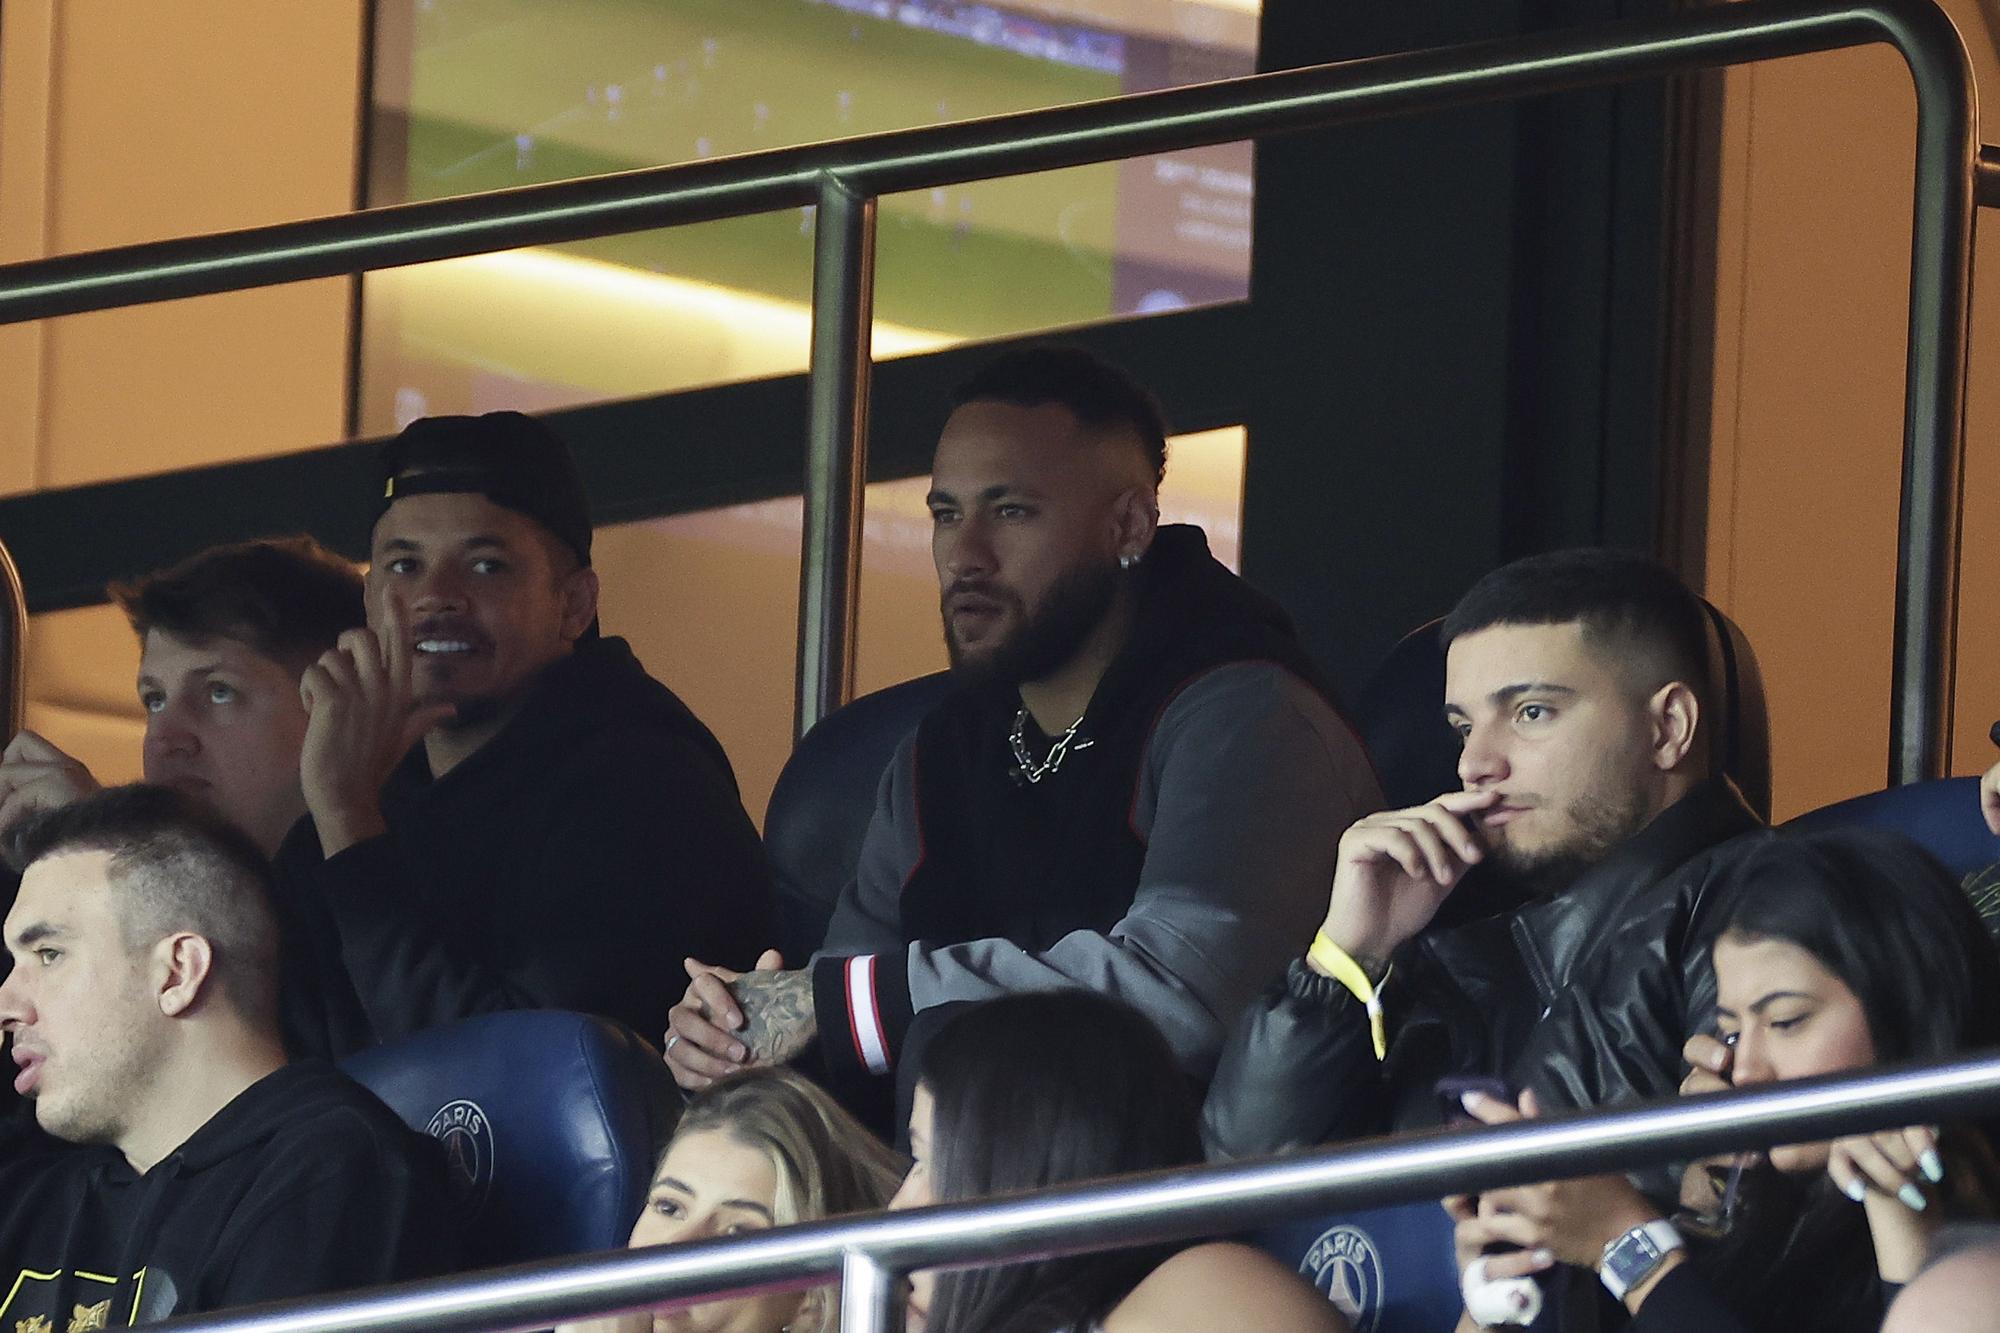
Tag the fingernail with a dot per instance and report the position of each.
(737, 1053)
(1544, 1257)
(1855, 1190)
(1912, 1197)
(1931, 1165)
(1466, 1099)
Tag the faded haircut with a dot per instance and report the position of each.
(288, 598)
(179, 867)
(1097, 393)
(1631, 608)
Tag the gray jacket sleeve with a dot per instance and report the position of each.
(1247, 784)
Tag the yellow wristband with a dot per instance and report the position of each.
(1337, 963)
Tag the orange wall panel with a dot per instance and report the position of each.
(1812, 301)
(123, 123)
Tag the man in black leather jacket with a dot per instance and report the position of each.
(1573, 960)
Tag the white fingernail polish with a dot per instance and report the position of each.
(1931, 1165)
(1855, 1190)
(1912, 1197)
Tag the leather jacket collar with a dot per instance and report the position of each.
(1549, 936)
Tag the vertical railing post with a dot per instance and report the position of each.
(1934, 411)
(871, 1296)
(13, 648)
(836, 449)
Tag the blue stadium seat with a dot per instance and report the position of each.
(824, 798)
(1942, 817)
(1390, 1270)
(550, 1120)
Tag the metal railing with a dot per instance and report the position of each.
(871, 1255)
(843, 178)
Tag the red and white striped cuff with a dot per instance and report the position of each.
(874, 991)
(864, 1014)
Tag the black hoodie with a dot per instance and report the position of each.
(304, 1184)
(572, 862)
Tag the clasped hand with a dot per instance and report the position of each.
(729, 1021)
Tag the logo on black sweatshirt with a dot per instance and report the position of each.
(467, 1136)
(30, 1305)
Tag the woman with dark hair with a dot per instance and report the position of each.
(1834, 951)
(1053, 1089)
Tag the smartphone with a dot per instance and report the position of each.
(1451, 1090)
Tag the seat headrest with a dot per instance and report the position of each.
(1742, 740)
(1400, 715)
(550, 1121)
(825, 797)
(1941, 816)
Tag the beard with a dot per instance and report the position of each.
(1597, 823)
(1045, 639)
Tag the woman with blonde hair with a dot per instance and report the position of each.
(764, 1148)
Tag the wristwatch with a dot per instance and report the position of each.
(1637, 1255)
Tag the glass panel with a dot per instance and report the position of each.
(81, 695)
(709, 601)
(474, 95)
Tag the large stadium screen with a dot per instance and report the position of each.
(473, 95)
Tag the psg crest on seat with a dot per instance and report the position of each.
(1345, 1265)
(467, 1136)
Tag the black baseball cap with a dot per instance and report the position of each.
(512, 459)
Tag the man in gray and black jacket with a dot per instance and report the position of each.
(1578, 684)
(1137, 789)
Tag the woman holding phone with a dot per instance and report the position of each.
(1836, 951)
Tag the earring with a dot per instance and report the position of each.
(1127, 560)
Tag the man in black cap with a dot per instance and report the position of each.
(504, 810)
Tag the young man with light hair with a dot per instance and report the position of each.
(223, 638)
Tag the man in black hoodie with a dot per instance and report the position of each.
(1137, 790)
(142, 1011)
(504, 810)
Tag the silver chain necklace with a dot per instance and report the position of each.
(1024, 766)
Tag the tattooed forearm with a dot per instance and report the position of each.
(778, 1019)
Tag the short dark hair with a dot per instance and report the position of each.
(1622, 600)
(288, 598)
(1096, 392)
(181, 867)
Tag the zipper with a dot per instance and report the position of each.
(1538, 971)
